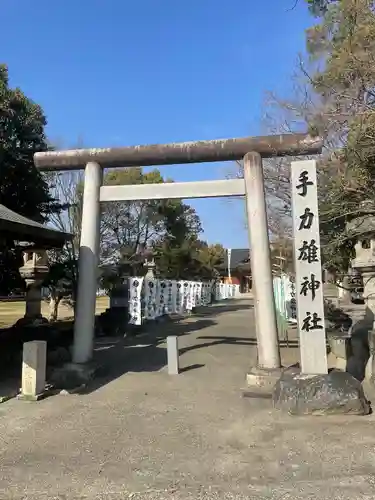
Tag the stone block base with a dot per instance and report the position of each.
(336, 362)
(73, 375)
(262, 378)
(339, 345)
(333, 393)
(31, 397)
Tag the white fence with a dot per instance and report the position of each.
(152, 298)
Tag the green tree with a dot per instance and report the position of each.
(334, 98)
(22, 122)
(22, 187)
(211, 258)
(130, 230)
(344, 38)
(319, 7)
(62, 280)
(191, 259)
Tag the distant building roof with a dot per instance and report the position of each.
(19, 227)
(239, 257)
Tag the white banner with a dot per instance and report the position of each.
(151, 298)
(135, 301)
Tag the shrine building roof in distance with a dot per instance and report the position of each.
(240, 259)
(18, 227)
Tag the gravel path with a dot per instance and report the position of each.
(142, 434)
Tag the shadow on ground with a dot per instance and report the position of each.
(144, 353)
(246, 341)
(147, 352)
(220, 309)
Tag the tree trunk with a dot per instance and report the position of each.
(54, 307)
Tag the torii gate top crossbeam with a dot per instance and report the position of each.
(179, 153)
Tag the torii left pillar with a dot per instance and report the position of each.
(84, 325)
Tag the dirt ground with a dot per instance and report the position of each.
(141, 434)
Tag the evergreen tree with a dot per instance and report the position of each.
(334, 98)
(22, 187)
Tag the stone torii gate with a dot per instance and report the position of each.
(250, 149)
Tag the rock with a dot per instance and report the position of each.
(333, 393)
(58, 356)
(30, 322)
(72, 376)
(359, 346)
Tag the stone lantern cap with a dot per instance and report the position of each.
(35, 266)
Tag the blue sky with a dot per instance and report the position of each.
(121, 72)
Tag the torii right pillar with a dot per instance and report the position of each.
(268, 362)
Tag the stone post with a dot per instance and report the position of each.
(88, 265)
(308, 268)
(173, 355)
(33, 300)
(34, 370)
(264, 303)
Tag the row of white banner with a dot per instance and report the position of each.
(151, 298)
(284, 289)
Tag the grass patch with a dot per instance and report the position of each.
(10, 312)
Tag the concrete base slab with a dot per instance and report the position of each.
(31, 397)
(48, 391)
(262, 378)
(73, 375)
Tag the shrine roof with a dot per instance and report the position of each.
(18, 227)
(239, 257)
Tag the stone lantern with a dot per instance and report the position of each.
(362, 228)
(34, 271)
(150, 268)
